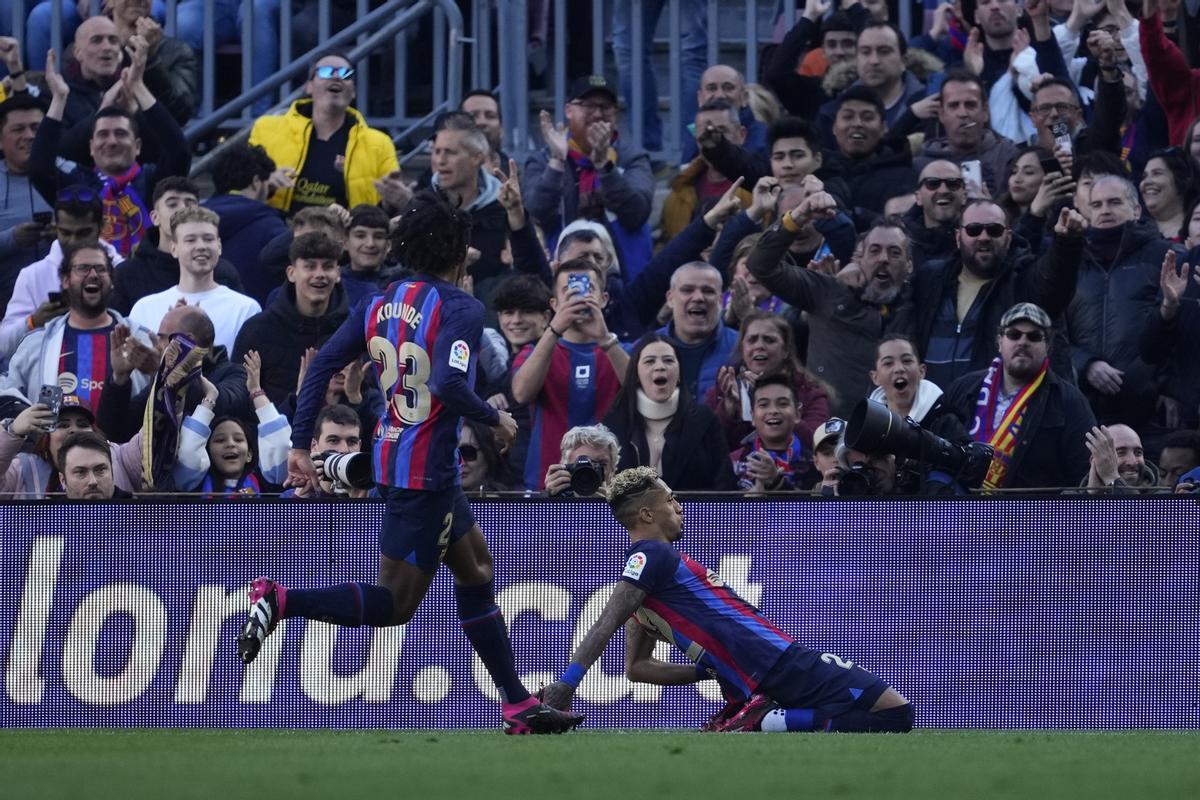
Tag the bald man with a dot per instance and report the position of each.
(1118, 462)
(723, 82)
(121, 415)
(171, 75)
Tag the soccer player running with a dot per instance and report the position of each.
(669, 596)
(423, 337)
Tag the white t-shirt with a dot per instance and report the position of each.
(227, 309)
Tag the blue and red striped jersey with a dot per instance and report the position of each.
(691, 607)
(580, 386)
(422, 335)
(83, 366)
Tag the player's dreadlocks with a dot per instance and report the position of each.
(627, 488)
(432, 235)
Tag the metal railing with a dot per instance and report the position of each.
(512, 37)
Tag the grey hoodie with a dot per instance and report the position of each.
(19, 201)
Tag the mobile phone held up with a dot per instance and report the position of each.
(579, 283)
(51, 397)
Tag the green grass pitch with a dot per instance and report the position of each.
(614, 765)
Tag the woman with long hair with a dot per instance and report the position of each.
(1168, 188)
(659, 425)
(766, 345)
(484, 468)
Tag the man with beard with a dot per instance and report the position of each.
(933, 221)
(844, 322)
(1034, 421)
(1117, 294)
(303, 316)
(85, 468)
(122, 182)
(963, 114)
(1118, 462)
(196, 243)
(72, 351)
(958, 302)
(31, 305)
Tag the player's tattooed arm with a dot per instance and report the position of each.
(625, 600)
(642, 667)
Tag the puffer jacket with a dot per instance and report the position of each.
(370, 154)
(1112, 306)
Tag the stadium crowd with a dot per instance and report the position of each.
(992, 228)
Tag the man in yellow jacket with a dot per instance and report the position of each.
(324, 150)
(699, 184)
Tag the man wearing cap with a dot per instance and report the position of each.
(825, 443)
(323, 149)
(958, 302)
(1034, 421)
(587, 170)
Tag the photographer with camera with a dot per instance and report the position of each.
(1035, 421)
(336, 433)
(590, 454)
(860, 474)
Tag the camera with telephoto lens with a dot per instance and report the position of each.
(346, 470)
(874, 428)
(586, 476)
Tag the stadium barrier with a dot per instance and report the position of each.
(1076, 613)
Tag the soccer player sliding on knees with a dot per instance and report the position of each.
(423, 337)
(772, 682)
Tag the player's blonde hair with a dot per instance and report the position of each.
(626, 489)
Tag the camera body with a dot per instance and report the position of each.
(586, 476)
(857, 481)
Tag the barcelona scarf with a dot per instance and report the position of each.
(179, 367)
(125, 216)
(590, 204)
(1003, 437)
(246, 486)
(788, 462)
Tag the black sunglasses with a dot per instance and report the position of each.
(933, 184)
(994, 229)
(469, 452)
(1015, 335)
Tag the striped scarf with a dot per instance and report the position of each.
(125, 216)
(164, 408)
(590, 204)
(1002, 437)
(246, 486)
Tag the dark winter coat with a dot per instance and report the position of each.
(1051, 451)
(1048, 281)
(281, 334)
(695, 454)
(1113, 304)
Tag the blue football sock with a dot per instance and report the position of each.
(484, 626)
(348, 604)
